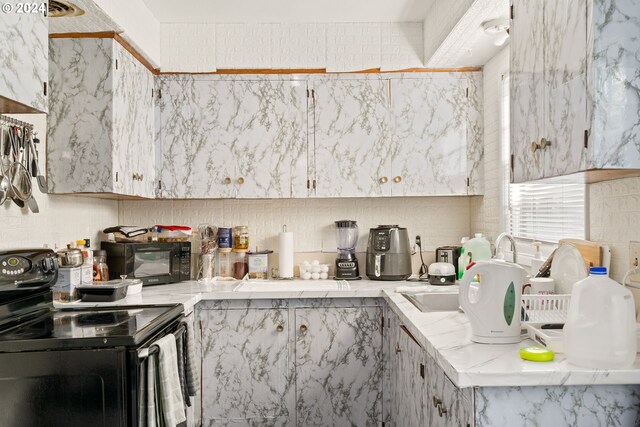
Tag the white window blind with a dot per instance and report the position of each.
(540, 211)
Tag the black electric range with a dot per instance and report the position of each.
(67, 367)
(88, 328)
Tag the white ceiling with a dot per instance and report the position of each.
(274, 11)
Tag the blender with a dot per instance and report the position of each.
(346, 239)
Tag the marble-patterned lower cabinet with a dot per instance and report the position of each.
(291, 362)
(443, 403)
(245, 368)
(410, 374)
(193, 411)
(338, 366)
(588, 406)
(440, 403)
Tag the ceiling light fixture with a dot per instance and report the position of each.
(498, 29)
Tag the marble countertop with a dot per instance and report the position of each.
(444, 335)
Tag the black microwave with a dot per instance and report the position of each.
(154, 263)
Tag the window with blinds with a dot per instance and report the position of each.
(540, 211)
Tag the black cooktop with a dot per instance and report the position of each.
(88, 328)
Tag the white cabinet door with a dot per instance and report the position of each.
(225, 139)
(80, 121)
(24, 38)
(177, 145)
(444, 404)
(430, 120)
(351, 138)
(133, 137)
(475, 133)
(410, 374)
(527, 90)
(101, 132)
(244, 366)
(338, 366)
(565, 59)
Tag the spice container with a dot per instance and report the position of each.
(241, 238)
(259, 264)
(224, 239)
(240, 267)
(87, 264)
(100, 268)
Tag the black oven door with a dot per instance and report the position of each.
(154, 263)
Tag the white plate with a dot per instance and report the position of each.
(567, 268)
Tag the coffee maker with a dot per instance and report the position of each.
(346, 239)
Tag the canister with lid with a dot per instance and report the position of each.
(224, 239)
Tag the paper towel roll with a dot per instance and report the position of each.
(286, 254)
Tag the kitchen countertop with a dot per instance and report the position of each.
(444, 335)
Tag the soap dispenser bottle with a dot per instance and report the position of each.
(537, 260)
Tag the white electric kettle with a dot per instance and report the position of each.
(493, 303)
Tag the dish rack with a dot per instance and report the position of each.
(545, 308)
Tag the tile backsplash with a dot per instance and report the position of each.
(438, 220)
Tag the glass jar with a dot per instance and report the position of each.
(100, 268)
(241, 238)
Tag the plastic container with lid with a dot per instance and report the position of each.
(600, 331)
(477, 249)
(173, 233)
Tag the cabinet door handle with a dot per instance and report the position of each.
(544, 143)
(241, 180)
(436, 401)
(441, 410)
(384, 180)
(397, 179)
(398, 349)
(227, 180)
(303, 328)
(535, 147)
(279, 328)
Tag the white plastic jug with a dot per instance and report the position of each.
(600, 331)
(477, 249)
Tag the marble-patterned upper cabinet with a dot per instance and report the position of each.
(23, 53)
(232, 138)
(437, 135)
(574, 97)
(352, 138)
(101, 119)
(403, 136)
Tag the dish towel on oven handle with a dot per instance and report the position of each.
(190, 372)
(168, 386)
(181, 368)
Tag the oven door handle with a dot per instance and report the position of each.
(145, 352)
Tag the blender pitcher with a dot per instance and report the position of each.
(346, 240)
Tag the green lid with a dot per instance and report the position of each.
(536, 354)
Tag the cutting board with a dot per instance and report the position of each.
(590, 251)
